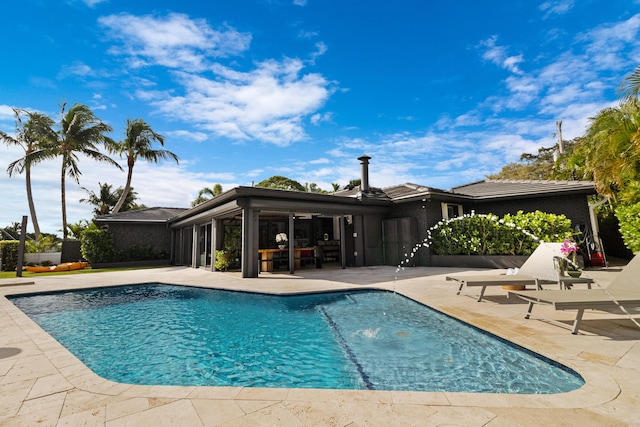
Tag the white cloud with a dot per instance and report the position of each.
(608, 45)
(266, 104)
(321, 49)
(499, 56)
(174, 41)
(93, 3)
(556, 7)
(319, 118)
(185, 134)
(78, 68)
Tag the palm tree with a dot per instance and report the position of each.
(106, 199)
(206, 191)
(630, 86)
(80, 132)
(137, 144)
(31, 136)
(103, 201)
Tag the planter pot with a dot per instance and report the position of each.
(478, 261)
(282, 246)
(514, 288)
(574, 273)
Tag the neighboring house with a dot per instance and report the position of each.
(356, 227)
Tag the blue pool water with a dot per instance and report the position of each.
(177, 335)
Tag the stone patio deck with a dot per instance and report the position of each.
(42, 383)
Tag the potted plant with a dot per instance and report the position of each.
(281, 240)
(569, 250)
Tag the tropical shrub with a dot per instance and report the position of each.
(545, 226)
(46, 243)
(97, 246)
(223, 260)
(629, 218)
(9, 254)
(487, 234)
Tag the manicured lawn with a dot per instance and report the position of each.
(12, 274)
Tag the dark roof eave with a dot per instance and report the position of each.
(281, 200)
(131, 220)
(573, 192)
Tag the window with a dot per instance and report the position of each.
(451, 210)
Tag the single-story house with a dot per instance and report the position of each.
(360, 226)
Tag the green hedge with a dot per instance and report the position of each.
(97, 247)
(629, 218)
(9, 254)
(489, 234)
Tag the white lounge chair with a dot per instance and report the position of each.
(538, 268)
(622, 293)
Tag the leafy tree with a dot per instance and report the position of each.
(353, 184)
(281, 183)
(138, 145)
(80, 132)
(12, 231)
(547, 164)
(30, 136)
(207, 194)
(313, 188)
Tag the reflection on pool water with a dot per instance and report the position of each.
(158, 334)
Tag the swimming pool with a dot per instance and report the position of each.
(158, 334)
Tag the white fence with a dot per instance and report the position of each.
(52, 257)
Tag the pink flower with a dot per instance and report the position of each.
(568, 246)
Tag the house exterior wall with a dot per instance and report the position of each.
(426, 214)
(574, 207)
(125, 235)
(372, 236)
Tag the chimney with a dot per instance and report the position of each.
(364, 182)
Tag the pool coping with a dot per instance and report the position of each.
(601, 387)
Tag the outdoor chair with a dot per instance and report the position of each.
(537, 269)
(623, 293)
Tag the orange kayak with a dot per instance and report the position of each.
(65, 266)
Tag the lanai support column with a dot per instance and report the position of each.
(343, 244)
(214, 242)
(250, 242)
(292, 251)
(194, 247)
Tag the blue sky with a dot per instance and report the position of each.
(437, 93)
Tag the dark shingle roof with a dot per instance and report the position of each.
(142, 215)
(409, 190)
(498, 188)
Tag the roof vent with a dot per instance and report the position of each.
(364, 182)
